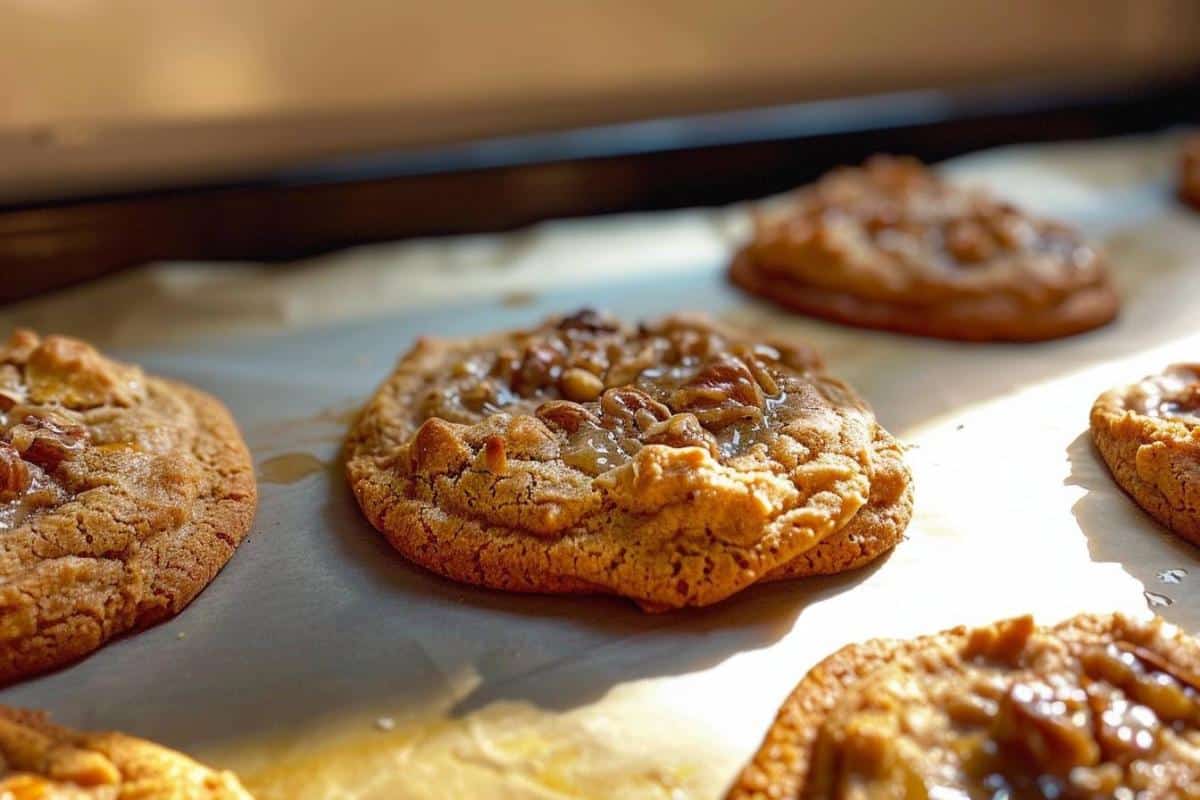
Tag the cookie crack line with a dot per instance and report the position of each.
(675, 462)
(121, 497)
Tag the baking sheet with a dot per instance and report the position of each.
(321, 665)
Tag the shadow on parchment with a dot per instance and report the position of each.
(598, 641)
(1118, 531)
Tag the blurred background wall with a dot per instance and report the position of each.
(104, 94)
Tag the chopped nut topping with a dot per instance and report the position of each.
(567, 416)
(494, 455)
(606, 389)
(894, 231)
(580, 385)
(14, 474)
(629, 405)
(681, 430)
(1018, 712)
(1174, 394)
(46, 438)
(590, 321)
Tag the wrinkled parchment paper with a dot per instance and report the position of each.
(321, 665)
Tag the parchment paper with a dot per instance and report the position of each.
(322, 665)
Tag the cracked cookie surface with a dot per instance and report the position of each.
(1149, 436)
(891, 245)
(43, 761)
(674, 463)
(121, 496)
(1095, 707)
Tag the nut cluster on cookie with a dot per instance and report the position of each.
(892, 245)
(674, 463)
(1096, 707)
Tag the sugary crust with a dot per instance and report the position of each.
(779, 769)
(891, 246)
(996, 318)
(134, 548)
(703, 531)
(39, 759)
(1155, 460)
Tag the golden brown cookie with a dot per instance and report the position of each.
(674, 463)
(1149, 435)
(874, 530)
(891, 245)
(42, 761)
(121, 496)
(1189, 172)
(1096, 707)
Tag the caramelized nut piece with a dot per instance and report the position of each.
(46, 438)
(540, 367)
(724, 380)
(580, 385)
(589, 320)
(624, 373)
(1154, 661)
(437, 448)
(565, 415)
(969, 242)
(625, 403)
(1044, 721)
(680, 430)
(15, 479)
(494, 455)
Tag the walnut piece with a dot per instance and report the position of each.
(566, 415)
(46, 438)
(15, 478)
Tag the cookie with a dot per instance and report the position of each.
(892, 246)
(1189, 172)
(675, 463)
(1096, 707)
(121, 496)
(874, 530)
(1149, 436)
(42, 761)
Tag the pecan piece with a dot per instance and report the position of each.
(580, 385)
(970, 242)
(46, 438)
(1154, 661)
(761, 374)
(723, 381)
(627, 405)
(495, 457)
(626, 371)
(15, 479)
(1041, 719)
(681, 430)
(589, 320)
(566, 415)
(540, 366)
